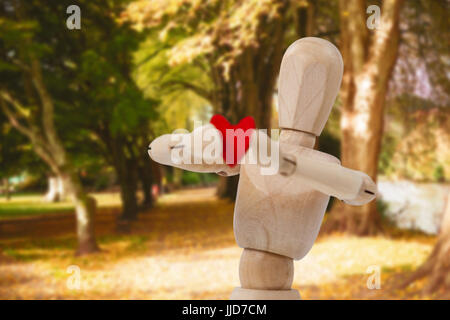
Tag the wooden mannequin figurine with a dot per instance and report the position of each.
(277, 217)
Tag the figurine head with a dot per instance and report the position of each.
(309, 81)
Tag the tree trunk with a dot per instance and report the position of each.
(49, 148)
(437, 266)
(62, 188)
(7, 191)
(52, 194)
(227, 187)
(157, 176)
(129, 200)
(126, 171)
(85, 207)
(146, 178)
(368, 61)
(304, 19)
(147, 201)
(128, 188)
(56, 189)
(249, 88)
(125, 164)
(144, 167)
(177, 175)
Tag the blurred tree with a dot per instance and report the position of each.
(416, 142)
(107, 107)
(437, 266)
(423, 63)
(9, 152)
(33, 114)
(77, 90)
(415, 145)
(369, 57)
(238, 44)
(178, 107)
(113, 108)
(424, 70)
(15, 153)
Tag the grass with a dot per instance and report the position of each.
(24, 205)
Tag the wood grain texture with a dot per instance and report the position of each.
(274, 213)
(309, 81)
(304, 139)
(277, 217)
(251, 294)
(191, 155)
(264, 270)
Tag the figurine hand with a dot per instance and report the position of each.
(198, 151)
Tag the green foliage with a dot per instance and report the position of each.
(16, 154)
(387, 152)
(439, 173)
(219, 29)
(88, 74)
(178, 105)
(330, 138)
(190, 178)
(194, 46)
(328, 143)
(382, 208)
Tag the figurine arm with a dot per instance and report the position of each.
(351, 186)
(180, 150)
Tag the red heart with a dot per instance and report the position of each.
(222, 124)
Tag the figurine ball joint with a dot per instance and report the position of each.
(277, 217)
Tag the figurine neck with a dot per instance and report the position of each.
(297, 137)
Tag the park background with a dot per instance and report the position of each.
(84, 212)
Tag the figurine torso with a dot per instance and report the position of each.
(276, 214)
